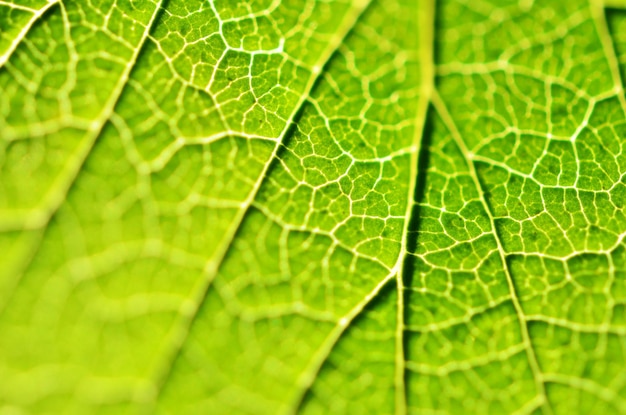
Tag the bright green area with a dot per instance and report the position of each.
(314, 207)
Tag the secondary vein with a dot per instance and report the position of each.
(216, 262)
(530, 351)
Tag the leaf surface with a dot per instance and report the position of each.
(312, 207)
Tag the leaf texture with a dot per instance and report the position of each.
(307, 206)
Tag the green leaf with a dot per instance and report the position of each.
(308, 206)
